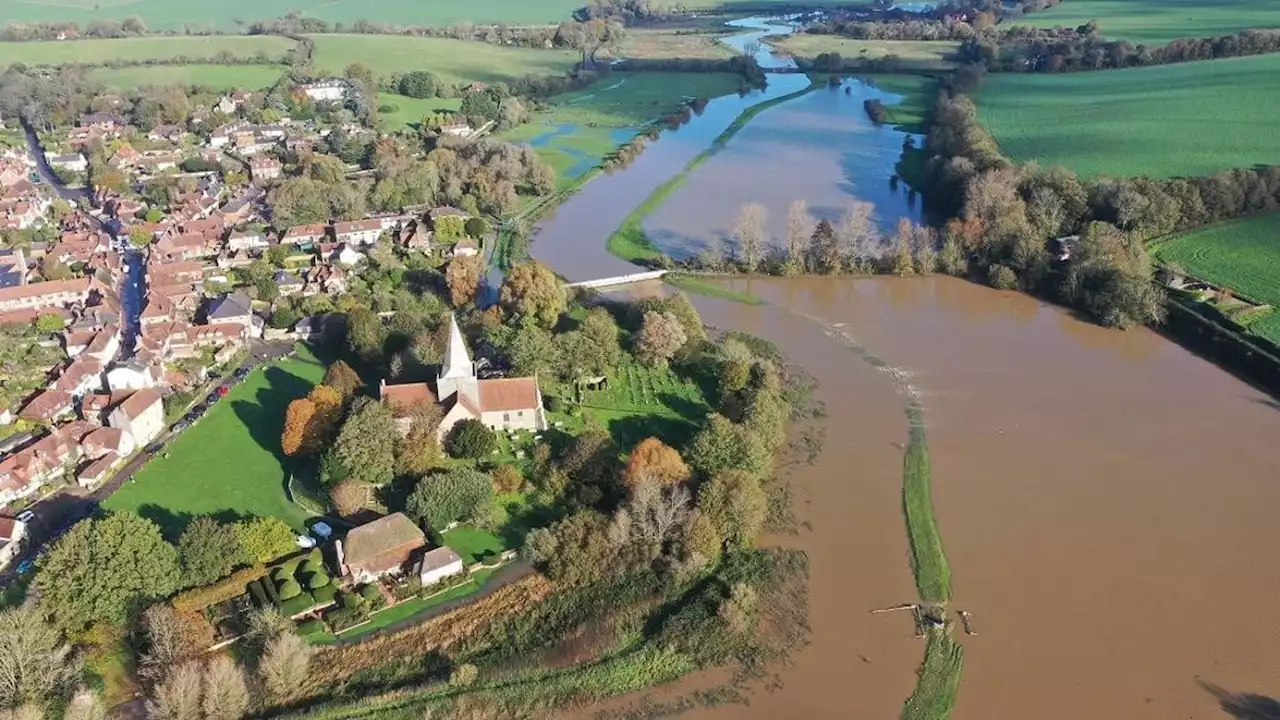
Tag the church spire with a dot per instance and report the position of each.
(457, 362)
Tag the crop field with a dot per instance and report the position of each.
(579, 129)
(453, 61)
(400, 112)
(92, 52)
(1172, 120)
(933, 53)
(223, 77)
(1157, 23)
(1243, 255)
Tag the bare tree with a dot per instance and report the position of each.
(661, 335)
(177, 697)
(926, 249)
(35, 663)
(265, 625)
(166, 642)
(799, 231)
(652, 515)
(749, 231)
(85, 705)
(857, 237)
(712, 254)
(226, 695)
(285, 665)
(903, 242)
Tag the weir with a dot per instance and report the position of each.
(618, 280)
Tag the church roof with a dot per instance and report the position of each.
(403, 398)
(503, 394)
(457, 361)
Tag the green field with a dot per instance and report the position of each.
(932, 54)
(1243, 255)
(1156, 23)
(406, 112)
(453, 61)
(1172, 120)
(579, 129)
(229, 463)
(224, 77)
(91, 52)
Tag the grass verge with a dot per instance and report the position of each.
(938, 681)
(928, 561)
(697, 285)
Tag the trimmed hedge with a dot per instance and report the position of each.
(297, 604)
(289, 589)
(344, 617)
(310, 626)
(315, 581)
(233, 586)
(259, 594)
(370, 592)
(325, 594)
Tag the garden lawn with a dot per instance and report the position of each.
(1243, 255)
(453, 61)
(1166, 121)
(579, 129)
(417, 606)
(1157, 23)
(229, 463)
(223, 77)
(642, 402)
(400, 112)
(92, 52)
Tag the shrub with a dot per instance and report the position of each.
(300, 603)
(197, 599)
(370, 592)
(260, 597)
(310, 567)
(325, 594)
(310, 626)
(316, 581)
(1001, 277)
(476, 227)
(345, 616)
(506, 479)
(270, 586)
(471, 439)
(289, 589)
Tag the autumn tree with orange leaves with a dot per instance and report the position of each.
(309, 421)
(655, 461)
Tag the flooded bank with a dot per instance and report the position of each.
(821, 148)
(1106, 501)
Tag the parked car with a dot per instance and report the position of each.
(243, 372)
(154, 447)
(25, 567)
(26, 516)
(222, 391)
(181, 425)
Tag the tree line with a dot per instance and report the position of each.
(1026, 49)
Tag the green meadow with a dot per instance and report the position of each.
(1157, 23)
(453, 61)
(95, 52)
(224, 77)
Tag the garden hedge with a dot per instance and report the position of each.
(315, 581)
(259, 593)
(325, 594)
(233, 586)
(289, 589)
(310, 626)
(298, 604)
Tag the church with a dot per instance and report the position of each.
(500, 403)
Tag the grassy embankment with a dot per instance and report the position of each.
(453, 61)
(1242, 255)
(1187, 119)
(1157, 23)
(917, 54)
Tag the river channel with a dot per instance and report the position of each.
(1106, 499)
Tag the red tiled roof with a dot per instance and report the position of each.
(139, 402)
(502, 394)
(402, 398)
(77, 285)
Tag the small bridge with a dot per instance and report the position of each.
(619, 280)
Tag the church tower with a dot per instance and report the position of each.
(457, 368)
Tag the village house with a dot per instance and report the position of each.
(439, 564)
(107, 441)
(141, 415)
(324, 279)
(348, 255)
(13, 267)
(12, 533)
(170, 133)
(134, 375)
(304, 235)
(22, 473)
(357, 232)
(75, 162)
(262, 169)
(235, 308)
(187, 246)
(458, 128)
(288, 283)
(48, 407)
(466, 247)
(331, 90)
(240, 240)
(379, 548)
(500, 403)
(80, 376)
(54, 293)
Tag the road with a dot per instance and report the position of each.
(71, 195)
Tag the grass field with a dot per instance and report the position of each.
(143, 48)
(407, 112)
(1243, 255)
(1172, 120)
(804, 45)
(1157, 23)
(654, 44)
(229, 463)
(226, 77)
(453, 61)
(579, 129)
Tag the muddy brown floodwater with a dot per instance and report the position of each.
(1106, 500)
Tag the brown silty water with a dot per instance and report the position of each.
(1105, 499)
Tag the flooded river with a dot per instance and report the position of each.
(1106, 499)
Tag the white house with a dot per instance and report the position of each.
(75, 162)
(439, 564)
(12, 532)
(247, 240)
(133, 375)
(359, 232)
(141, 415)
(332, 90)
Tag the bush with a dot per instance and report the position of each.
(297, 604)
(310, 626)
(233, 586)
(345, 616)
(1001, 277)
(476, 227)
(506, 479)
(289, 589)
(270, 586)
(370, 592)
(316, 581)
(326, 594)
(310, 567)
(471, 439)
(260, 597)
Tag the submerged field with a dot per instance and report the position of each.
(225, 77)
(579, 129)
(1172, 120)
(1242, 255)
(92, 52)
(453, 61)
(1157, 23)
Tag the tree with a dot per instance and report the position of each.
(85, 705)
(349, 497)
(678, 304)
(463, 278)
(723, 445)
(799, 230)
(418, 84)
(471, 439)
(441, 498)
(750, 234)
(506, 479)
(50, 323)
(951, 259)
(178, 696)
(532, 349)
(1110, 276)
(580, 550)
(297, 418)
(419, 450)
(342, 378)
(464, 675)
(102, 568)
(857, 237)
(476, 227)
(903, 259)
(366, 443)
(593, 348)
(736, 505)
(35, 663)
(925, 250)
(701, 538)
(208, 550)
(226, 695)
(660, 337)
(824, 249)
(651, 516)
(532, 290)
(171, 638)
(265, 625)
(285, 666)
(309, 421)
(264, 539)
(654, 461)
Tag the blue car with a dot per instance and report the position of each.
(25, 567)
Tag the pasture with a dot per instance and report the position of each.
(94, 52)
(222, 77)
(400, 112)
(1157, 23)
(1166, 121)
(1242, 255)
(577, 130)
(229, 463)
(936, 54)
(453, 61)
(664, 44)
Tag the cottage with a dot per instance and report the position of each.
(141, 416)
(82, 375)
(439, 564)
(235, 308)
(134, 375)
(331, 90)
(240, 240)
(359, 232)
(75, 162)
(380, 548)
(264, 168)
(288, 283)
(107, 441)
(466, 247)
(53, 293)
(48, 407)
(304, 234)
